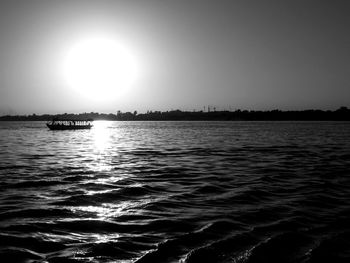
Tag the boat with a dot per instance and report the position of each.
(69, 124)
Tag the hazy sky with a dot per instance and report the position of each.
(229, 54)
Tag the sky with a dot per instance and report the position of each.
(255, 55)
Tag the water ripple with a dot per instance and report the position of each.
(175, 192)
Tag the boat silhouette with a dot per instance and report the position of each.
(69, 124)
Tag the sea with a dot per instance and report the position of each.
(238, 192)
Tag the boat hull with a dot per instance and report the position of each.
(68, 127)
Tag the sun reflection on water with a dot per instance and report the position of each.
(102, 141)
(111, 211)
(104, 238)
(102, 135)
(106, 211)
(101, 212)
(105, 181)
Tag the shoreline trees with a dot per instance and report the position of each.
(341, 114)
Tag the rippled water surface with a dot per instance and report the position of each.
(175, 192)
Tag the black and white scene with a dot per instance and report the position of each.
(174, 131)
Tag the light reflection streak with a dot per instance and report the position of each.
(101, 146)
(93, 192)
(101, 135)
(103, 160)
(104, 238)
(109, 180)
(111, 211)
(105, 211)
(102, 213)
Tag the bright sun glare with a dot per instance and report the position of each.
(99, 68)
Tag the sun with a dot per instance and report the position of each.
(99, 68)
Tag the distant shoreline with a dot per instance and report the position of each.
(341, 114)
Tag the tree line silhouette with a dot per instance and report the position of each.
(341, 114)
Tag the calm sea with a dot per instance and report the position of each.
(175, 192)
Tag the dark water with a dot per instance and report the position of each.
(176, 192)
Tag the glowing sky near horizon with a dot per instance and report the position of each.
(189, 54)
